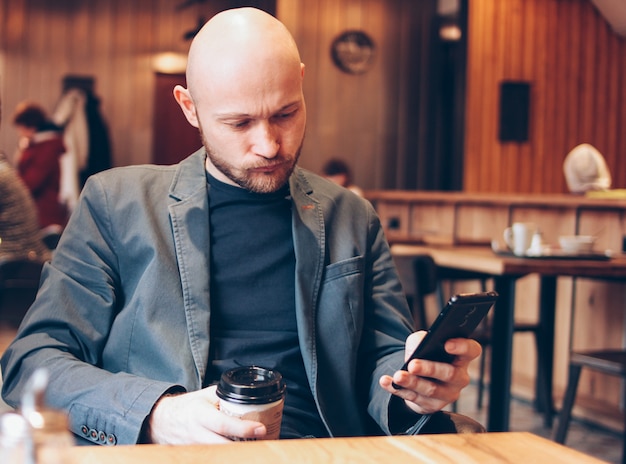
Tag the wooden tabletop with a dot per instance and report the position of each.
(484, 259)
(510, 447)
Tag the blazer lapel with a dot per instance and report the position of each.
(308, 233)
(189, 215)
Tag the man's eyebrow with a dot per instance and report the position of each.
(287, 107)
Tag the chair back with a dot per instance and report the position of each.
(426, 283)
(19, 282)
(51, 235)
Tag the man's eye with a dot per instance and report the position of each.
(286, 115)
(240, 124)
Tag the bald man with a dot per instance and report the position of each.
(167, 276)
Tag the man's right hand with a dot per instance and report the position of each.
(194, 417)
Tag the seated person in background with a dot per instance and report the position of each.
(20, 237)
(338, 171)
(166, 276)
(38, 162)
(586, 170)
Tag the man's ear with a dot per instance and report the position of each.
(183, 97)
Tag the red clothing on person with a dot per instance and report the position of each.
(40, 169)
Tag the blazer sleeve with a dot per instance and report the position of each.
(389, 323)
(68, 326)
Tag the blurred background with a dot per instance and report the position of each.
(474, 95)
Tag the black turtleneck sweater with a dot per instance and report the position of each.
(253, 319)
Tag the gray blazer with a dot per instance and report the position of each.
(123, 310)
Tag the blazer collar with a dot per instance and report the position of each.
(190, 176)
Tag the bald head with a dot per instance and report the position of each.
(235, 42)
(244, 94)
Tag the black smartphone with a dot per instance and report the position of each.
(458, 319)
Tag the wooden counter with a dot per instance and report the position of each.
(456, 216)
(589, 314)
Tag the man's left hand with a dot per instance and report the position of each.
(428, 386)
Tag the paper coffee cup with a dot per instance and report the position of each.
(253, 393)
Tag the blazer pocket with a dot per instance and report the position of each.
(341, 298)
(343, 268)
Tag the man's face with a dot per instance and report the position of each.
(253, 127)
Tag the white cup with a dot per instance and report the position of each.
(519, 237)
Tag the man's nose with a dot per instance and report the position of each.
(265, 140)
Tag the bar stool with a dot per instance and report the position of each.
(611, 362)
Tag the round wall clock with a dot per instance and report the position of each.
(353, 52)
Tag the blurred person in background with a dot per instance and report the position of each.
(338, 172)
(585, 170)
(19, 228)
(38, 162)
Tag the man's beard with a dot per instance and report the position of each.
(254, 181)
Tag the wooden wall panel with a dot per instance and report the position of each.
(575, 64)
(574, 61)
(54, 39)
(114, 41)
(480, 223)
(354, 117)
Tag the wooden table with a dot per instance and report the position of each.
(511, 447)
(505, 270)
